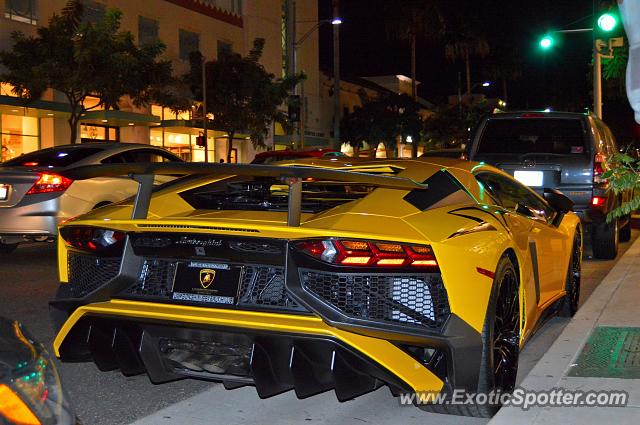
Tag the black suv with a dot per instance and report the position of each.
(559, 150)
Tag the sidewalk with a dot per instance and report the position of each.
(615, 302)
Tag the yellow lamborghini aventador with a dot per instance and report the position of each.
(423, 275)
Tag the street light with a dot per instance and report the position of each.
(482, 83)
(336, 22)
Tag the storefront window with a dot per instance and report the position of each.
(168, 114)
(95, 133)
(19, 135)
(183, 145)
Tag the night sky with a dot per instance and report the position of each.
(559, 78)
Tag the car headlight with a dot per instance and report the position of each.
(30, 389)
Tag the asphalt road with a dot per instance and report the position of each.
(28, 279)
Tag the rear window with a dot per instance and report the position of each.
(271, 194)
(534, 135)
(52, 157)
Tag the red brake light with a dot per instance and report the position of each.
(50, 182)
(533, 115)
(94, 240)
(366, 253)
(598, 201)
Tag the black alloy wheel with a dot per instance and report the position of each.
(506, 333)
(500, 345)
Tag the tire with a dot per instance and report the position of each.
(572, 285)
(499, 338)
(624, 234)
(605, 240)
(7, 248)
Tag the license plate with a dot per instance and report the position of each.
(529, 178)
(209, 283)
(4, 192)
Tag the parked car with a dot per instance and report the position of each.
(259, 275)
(559, 150)
(445, 153)
(30, 388)
(286, 155)
(35, 197)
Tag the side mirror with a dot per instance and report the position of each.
(558, 200)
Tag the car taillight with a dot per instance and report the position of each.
(49, 182)
(598, 168)
(598, 201)
(368, 253)
(94, 240)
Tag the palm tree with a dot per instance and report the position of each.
(412, 21)
(462, 45)
(504, 67)
(465, 36)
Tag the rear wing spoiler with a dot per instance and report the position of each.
(293, 176)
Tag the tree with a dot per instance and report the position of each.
(81, 59)
(504, 66)
(412, 21)
(447, 129)
(241, 94)
(382, 120)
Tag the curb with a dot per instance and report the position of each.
(550, 371)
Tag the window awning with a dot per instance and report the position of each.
(13, 105)
(119, 118)
(194, 128)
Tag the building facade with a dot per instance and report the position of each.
(209, 26)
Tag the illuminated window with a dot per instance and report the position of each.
(99, 133)
(6, 89)
(157, 110)
(189, 43)
(91, 102)
(19, 135)
(21, 11)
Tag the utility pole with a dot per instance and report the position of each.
(290, 39)
(336, 77)
(204, 110)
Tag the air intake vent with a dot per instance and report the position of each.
(188, 227)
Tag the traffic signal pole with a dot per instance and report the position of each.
(597, 80)
(547, 42)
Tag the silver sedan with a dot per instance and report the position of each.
(35, 197)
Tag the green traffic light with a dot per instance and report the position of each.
(546, 42)
(607, 22)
